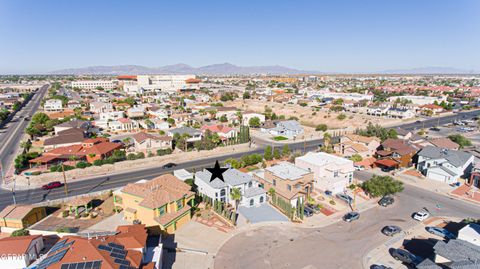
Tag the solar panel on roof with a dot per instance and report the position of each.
(119, 251)
(125, 267)
(121, 261)
(97, 264)
(65, 266)
(116, 255)
(113, 245)
(51, 259)
(103, 247)
(58, 245)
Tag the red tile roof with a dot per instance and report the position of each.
(16, 245)
(217, 128)
(386, 162)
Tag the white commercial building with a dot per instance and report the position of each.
(93, 84)
(330, 172)
(169, 83)
(419, 100)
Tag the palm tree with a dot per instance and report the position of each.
(236, 195)
(26, 145)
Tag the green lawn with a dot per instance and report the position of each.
(280, 138)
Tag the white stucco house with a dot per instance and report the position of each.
(444, 165)
(53, 105)
(252, 193)
(288, 128)
(248, 115)
(470, 233)
(330, 172)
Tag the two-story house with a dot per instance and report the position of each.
(288, 180)
(53, 105)
(444, 165)
(164, 201)
(288, 128)
(330, 172)
(252, 194)
(194, 134)
(352, 144)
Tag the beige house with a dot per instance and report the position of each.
(146, 143)
(288, 180)
(352, 144)
(163, 202)
(21, 216)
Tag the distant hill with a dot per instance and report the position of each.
(214, 69)
(430, 70)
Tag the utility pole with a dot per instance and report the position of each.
(64, 181)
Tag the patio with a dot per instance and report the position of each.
(262, 213)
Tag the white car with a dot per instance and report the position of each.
(421, 216)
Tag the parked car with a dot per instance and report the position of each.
(391, 230)
(169, 165)
(404, 256)
(435, 129)
(307, 212)
(344, 197)
(440, 232)
(52, 185)
(351, 216)
(386, 200)
(379, 266)
(421, 216)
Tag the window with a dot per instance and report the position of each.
(274, 182)
(222, 192)
(289, 187)
(179, 204)
(216, 194)
(161, 210)
(251, 202)
(261, 199)
(250, 184)
(335, 174)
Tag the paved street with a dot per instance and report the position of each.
(13, 131)
(340, 245)
(118, 180)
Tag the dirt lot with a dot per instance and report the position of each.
(306, 117)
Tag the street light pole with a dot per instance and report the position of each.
(64, 181)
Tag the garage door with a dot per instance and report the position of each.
(436, 176)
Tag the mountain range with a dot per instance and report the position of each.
(230, 69)
(214, 69)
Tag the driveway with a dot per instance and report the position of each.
(294, 247)
(263, 213)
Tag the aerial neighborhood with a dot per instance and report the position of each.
(119, 168)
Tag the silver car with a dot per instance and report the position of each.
(391, 230)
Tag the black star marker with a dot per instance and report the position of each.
(217, 172)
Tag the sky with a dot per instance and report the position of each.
(326, 36)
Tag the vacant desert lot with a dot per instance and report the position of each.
(305, 114)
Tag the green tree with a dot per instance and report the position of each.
(223, 118)
(341, 116)
(356, 158)
(286, 151)
(254, 122)
(277, 154)
(26, 145)
(236, 195)
(21, 232)
(382, 185)
(460, 140)
(246, 95)
(267, 154)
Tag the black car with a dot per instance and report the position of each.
(391, 230)
(435, 129)
(307, 212)
(379, 266)
(386, 201)
(169, 165)
(404, 256)
(351, 216)
(314, 208)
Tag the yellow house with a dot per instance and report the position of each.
(164, 202)
(21, 216)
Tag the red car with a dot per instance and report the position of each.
(52, 185)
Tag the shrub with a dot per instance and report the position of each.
(21, 232)
(280, 138)
(140, 155)
(161, 152)
(65, 230)
(85, 215)
(66, 167)
(321, 127)
(65, 214)
(150, 154)
(98, 162)
(82, 165)
(36, 173)
(341, 116)
(55, 168)
(332, 202)
(131, 156)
